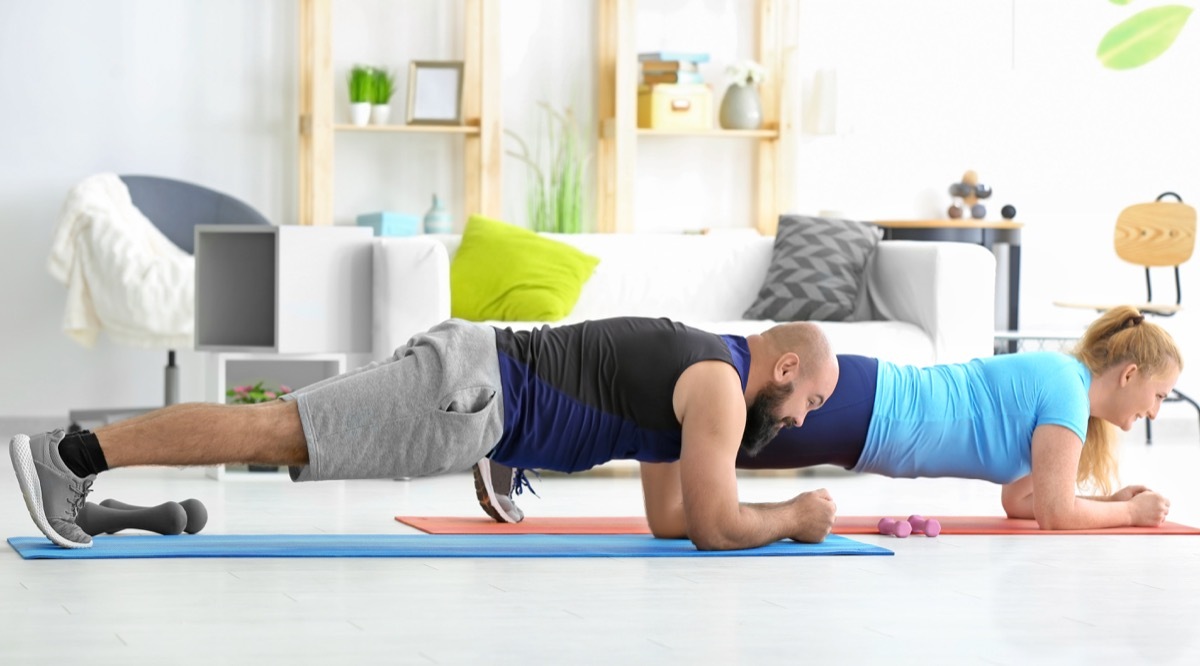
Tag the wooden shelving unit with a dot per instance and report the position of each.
(412, 129)
(713, 133)
(481, 128)
(616, 154)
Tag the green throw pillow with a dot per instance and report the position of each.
(506, 273)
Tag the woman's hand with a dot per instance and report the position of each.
(1148, 509)
(1127, 493)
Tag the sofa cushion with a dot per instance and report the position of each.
(506, 273)
(816, 269)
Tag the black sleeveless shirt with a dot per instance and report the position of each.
(579, 395)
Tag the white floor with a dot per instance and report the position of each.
(952, 600)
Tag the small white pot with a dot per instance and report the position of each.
(360, 113)
(380, 113)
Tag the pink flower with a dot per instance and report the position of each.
(241, 389)
(270, 394)
(284, 388)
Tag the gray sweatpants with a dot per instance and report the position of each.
(433, 407)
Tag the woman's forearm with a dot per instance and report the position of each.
(1083, 513)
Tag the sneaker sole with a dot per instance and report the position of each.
(22, 461)
(487, 499)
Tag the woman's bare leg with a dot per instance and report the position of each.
(208, 434)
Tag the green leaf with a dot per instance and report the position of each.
(1120, 2)
(1142, 37)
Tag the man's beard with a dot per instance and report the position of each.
(762, 422)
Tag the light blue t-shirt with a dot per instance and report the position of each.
(972, 420)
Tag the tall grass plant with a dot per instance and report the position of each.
(556, 163)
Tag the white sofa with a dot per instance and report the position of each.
(922, 302)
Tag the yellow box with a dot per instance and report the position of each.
(675, 106)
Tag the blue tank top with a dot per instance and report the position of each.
(972, 420)
(580, 395)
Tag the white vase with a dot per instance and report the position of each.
(741, 108)
(360, 113)
(380, 113)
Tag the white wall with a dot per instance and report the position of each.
(202, 91)
(1012, 90)
(206, 91)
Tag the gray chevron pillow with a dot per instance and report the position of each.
(816, 269)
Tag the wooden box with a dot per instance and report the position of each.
(675, 106)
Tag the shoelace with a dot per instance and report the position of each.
(78, 495)
(521, 483)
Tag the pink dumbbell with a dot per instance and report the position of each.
(930, 527)
(897, 528)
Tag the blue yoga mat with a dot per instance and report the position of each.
(415, 545)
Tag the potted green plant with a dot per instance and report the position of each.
(382, 89)
(362, 91)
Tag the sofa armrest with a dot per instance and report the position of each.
(947, 289)
(411, 290)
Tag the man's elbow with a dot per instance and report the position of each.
(706, 543)
(663, 532)
(666, 525)
(713, 539)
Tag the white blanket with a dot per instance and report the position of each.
(122, 274)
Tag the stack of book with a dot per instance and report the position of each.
(672, 67)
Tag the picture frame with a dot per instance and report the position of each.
(435, 92)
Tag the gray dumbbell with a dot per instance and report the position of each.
(166, 518)
(197, 514)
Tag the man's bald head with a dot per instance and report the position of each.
(804, 339)
(801, 371)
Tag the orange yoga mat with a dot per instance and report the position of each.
(998, 525)
(844, 525)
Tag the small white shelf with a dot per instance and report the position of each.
(284, 289)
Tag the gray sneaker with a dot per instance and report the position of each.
(53, 494)
(494, 486)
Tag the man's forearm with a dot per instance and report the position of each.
(752, 526)
(808, 517)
